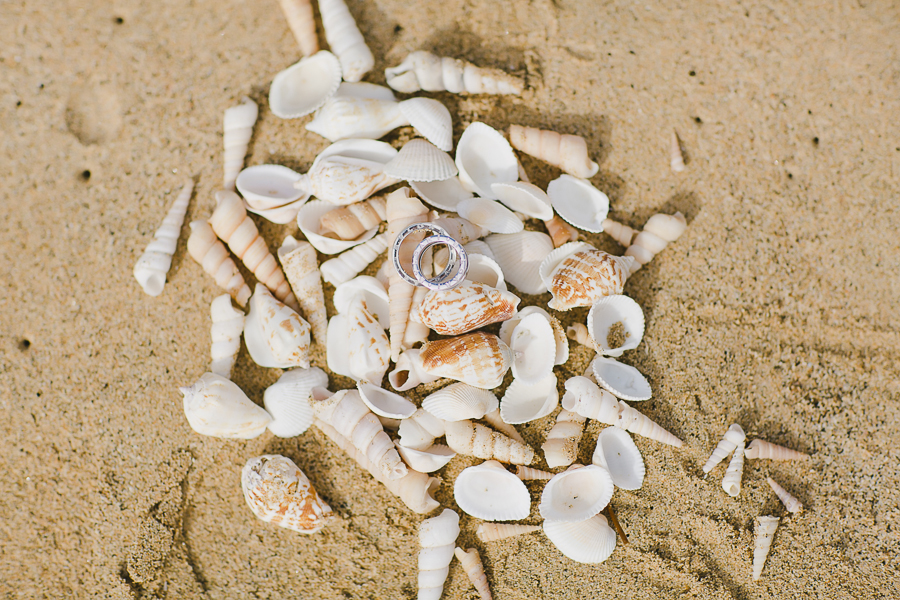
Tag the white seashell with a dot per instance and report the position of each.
(418, 431)
(471, 564)
(347, 116)
(523, 402)
(269, 192)
(731, 483)
(561, 446)
(734, 436)
(520, 255)
(431, 119)
(484, 157)
(217, 407)
(480, 247)
(623, 234)
(153, 265)
(300, 268)
(461, 230)
(608, 311)
(578, 202)
(635, 422)
(556, 257)
(426, 461)
(676, 159)
(622, 380)
(790, 503)
(351, 221)
(305, 86)
(368, 349)
(373, 293)
(237, 130)
(483, 269)
(529, 342)
(765, 531)
(459, 401)
(364, 89)
(205, 248)
(346, 266)
(617, 453)
(568, 152)
(424, 71)
(577, 494)
(300, 18)
(410, 371)
(227, 326)
(588, 542)
(659, 231)
(274, 334)
(444, 194)
(529, 474)
(345, 39)
(491, 215)
(337, 337)
(473, 439)
(384, 403)
(560, 231)
(494, 419)
(762, 449)
(349, 171)
(287, 401)
(308, 220)
(525, 198)
(562, 342)
(491, 532)
(420, 160)
(278, 492)
(437, 537)
(578, 332)
(585, 397)
(490, 492)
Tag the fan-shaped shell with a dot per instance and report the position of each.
(608, 311)
(426, 461)
(287, 401)
(217, 407)
(588, 542)
(308, 220)
(304, 87)
(576, 494)
(622, 380)
(268, 186)
(384, 403)
(490, 492)
(489, 214)
(460, 401)
(278, 492)
(578, 202)
(520, 255)
(444, 194)
(479, 359)
(483, 269)
(525, 198)
(556, 257)
(465, 307)
(431, 119)
(374, 295)
(275, 335)
(420, 160)
(484, 157)
(529, 342)
(617, 453)
(527, 402)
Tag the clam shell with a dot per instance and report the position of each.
(490, 492)
(483, 269)
(484, 157)
(610, 310)
(278, 492)
(217, 407)
(576, 494)
(465, 307)
(617, 453)
(384, 403)
(287, 401)
(556, 257)
(578, 202)
(520, 255)
(336, 337)
(562, 341)
(529, 342)
(308, 220)
(444, 194)
(621, 380)
(525, 198)
(491, 215)
(460, 401)
(426, 461)
(523, 402)
(374, 295)
(369, 150)
(420, 160)
(431, 119)
(268, 186)
(479, 359)
(364, 89)
(275, 335)
(588, 542)
(306, 86)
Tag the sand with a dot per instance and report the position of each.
(777, 309)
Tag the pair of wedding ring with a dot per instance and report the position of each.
(452, 275)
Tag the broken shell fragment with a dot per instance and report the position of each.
(287, 401)
(278, 492)
(622, 380)
(525, 198)
(409, 371)
(612, 310)
(485, 270)
(617, 453)
(384, 403)
(153, 265)
(217, 407)
(444, 194)
(269, 191)
(428, 460)
(484, 157)
(309, 220)
(491, 215)
(762, 449)
(568, 152)
(274, 334)
(373, 294)
(734, 436)
(460, 401)
(578, 202)
(577, 494)
(491, 532)
(418, 431)
(523, 403)
(305, 86)
(589, 542)
(351, 221)
(490, 492)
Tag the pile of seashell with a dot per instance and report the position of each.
(484, 197)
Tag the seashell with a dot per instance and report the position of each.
(585, 277)
(351, 221)
(562, 343)
(734, 436)
(299, 15)
(578, 202)
(336, 339)
(676, 159)
(373, 293)
(494, 419)
(609, 311)
(418, 431)
(525, 198)
(153, 265)
(459, 401)
(731, 483)
(491, 215)
(346, 266)
(269, 192)
(474, 439)
(556, 257)
(227, 325)
(349, 171)
(577, 494)
(348, 414)
(231, 223)
(308, 219)
(464, 308)
(520, 255)
(485, 270)
(345, 39)
(659, 231)
(479, 359)
(488, 491)
(237, 128)
(426, 461)
(491, 532)
(560, 231)
(765, 531)
(790, 503)
(422, 70)
(619, 232)
(760, 449)
(529, 474)
(635, 422)
(524, 402)
(579, 332)
(300, 267)
(217, 407)
(287, 401)
(420, 160)
(461, 230)
(437, 537)
(410, 372)
(431, 119)
(561, 446)
(471, 564)
(529, 343)
(480, 247)
(568, 152)
(617, 453)
(414, 489)
(348, 116)
(589, 542)
(384, 403)
(622, 380)
(206, 249)
(278, 492)
(584, 397)
(484, 158)
(274, 334)
(305, 86)
(368, 348)
(444, 194)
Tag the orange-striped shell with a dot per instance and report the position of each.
(587, 276)
(278, 492)
(479, 359)
(466, 307)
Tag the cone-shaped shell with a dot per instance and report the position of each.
(384, 403)
(525, 198)
(762, 449)
(520, 256)
(304, 87)
(561, 446)
(373, 293)
(617, 453)
(585, 397)
(274, 334)
(420, 160)
(471, 564)
(587, 276)
(346, 266)
(345, 39)
(474, 439)
(217, 407)
(309, 220)
(588, 542)
(351, 221)
(529, 343)
(227, 326)
(523, 402)
(437, 537)
(622, 380)
(610, 310)
(765, 531)
(460, 401)
(278, 492)
(444, 194)
(479, 359)
(660, 230)
(287, 401)
(465, 307)
(483, 269)
(300, 18)
(489, 214)
(734, 436)
(576, 494)
(635, 422)
(368, 348)
(431, 119)
(491, 532)
(484, 157)
(488, 491)
(205, 248)
(426, 461)
(578, 202)
(568, 152)
(153, 265)
(790, 503)
(418, 431)
(237, 129)
(270, 186)
(529, 474)
(731, 483)
(301, 269)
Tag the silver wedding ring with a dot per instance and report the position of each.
(457, 265)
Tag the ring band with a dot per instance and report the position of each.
(445, 279)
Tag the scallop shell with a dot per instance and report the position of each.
(525, 198)
(587, 276)
(790, 503)
(520, 256)
(418, 431)
(308, 219)
(269, 186)
(733, 436)
(617, 453)
(278, 492)
(556, 257)
(762, 449)
(305, 86)
(765, 531)
(576, 494)
(287, 401)
(431, 119)
(484, 157)
(420, 160)
(488, 491)
(479, 359)
(444, 194)
(491, 215)
(373, 293)
(348, 116)
(588, 542)
(217, 407)
(426, 461)
(153, 265)
(610, 310)
(529, 342)
(578, 202)
(437, 536)
(459, 401)
(274, 334)
(464, 308)
(523, 402)
(622, 380)
(384, 403)
(491, 532)
(483, 269)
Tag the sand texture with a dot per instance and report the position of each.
(777, 309)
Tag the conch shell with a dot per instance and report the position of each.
(561, 446)
(424, 71)
(300, 266)
(217, 407)
(464, 308)
(299, 15)
(351, 221)
(568, 152)
(151, 268)
(471, 564)
(349, 264)
(479, 359)
(238, 129)
(278, 492)
(765, 531)
(437, 537)
(368, 346)
(761, 449)
(355, 113)
(474, 439)
(659, 231)
(587, 276)
(345, 39)
(275, 335)
(206, 249)
(227, 325)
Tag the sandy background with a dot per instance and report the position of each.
(778, 308)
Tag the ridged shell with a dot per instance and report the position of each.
(617, 453)
(523, 402)
(622, 380)
(431, 119)
(490, 492)
(217, 407)
(426, 461)
(465, 307)
(489, 214)
(278, 492)
(304, 87)
(373, 293)
(484, 157)
(733, 436)
(520, 256)
(308, 219)
(479, 359)
(153, 265)
(345, 39)
(384, 403)
(349, 115)
(610, 310)
(474, 439)
(269, 186)
(418, 431)
(525, 198)
(576, 494)
(731, 483)
(562, 342)
(585, 397)
(568, 152)
(555, 258)
(420, 160)
(578, 202)
(530, 341)
(444, 194)
(587, 276)
(275, 335)
(588, 542)
(790, 503)
(483, 269)
(762, 449)
(367, 347)
(437, 537)
(287, 401)
(765, 531)
(459, 401)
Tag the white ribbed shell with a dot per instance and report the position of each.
(431, 119)
(287, 400)
(617, 453)
(589, 542)
(420, 160)
(520, 255)
(490, 492)
(523, 402)
(578, 202)
(305, 86)
(576, 494)
(459, 401)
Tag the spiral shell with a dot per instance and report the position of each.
(206, 249)
(238, 129)
(351, 221)
(479, 359)
(619, 232)
(419, 431)
(422, 70)
(437, 537)
(300, 266)
(459, 401)
(227, 325)
(676, 159)
(471, 564)
(761, 449)
(349, 264)
(464, 308)
(560, 231)
(568, 152)
(659, 231)
(491, 532)
(585, 277)
(278, 492)
(345, 39)
(734, 436)
(217, 407)
(299, 15)
(636, 422)
(474, 439)
(578, 332)
(765, 532)
(561, 446)
(274, 334)
(151, 268)
(790, 503)
(731, 483)
(529, 474)
(368, 347)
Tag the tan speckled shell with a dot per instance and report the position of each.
(761, 449)
(474, 439)
(278, 492)
(301, 267)
(479, 359)
(561, 446)
(560, 231)
(587, 276)
(351, 221)
(568, 152)
(465, 307)
(471, 564)
(206, 249)
(528, 474)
